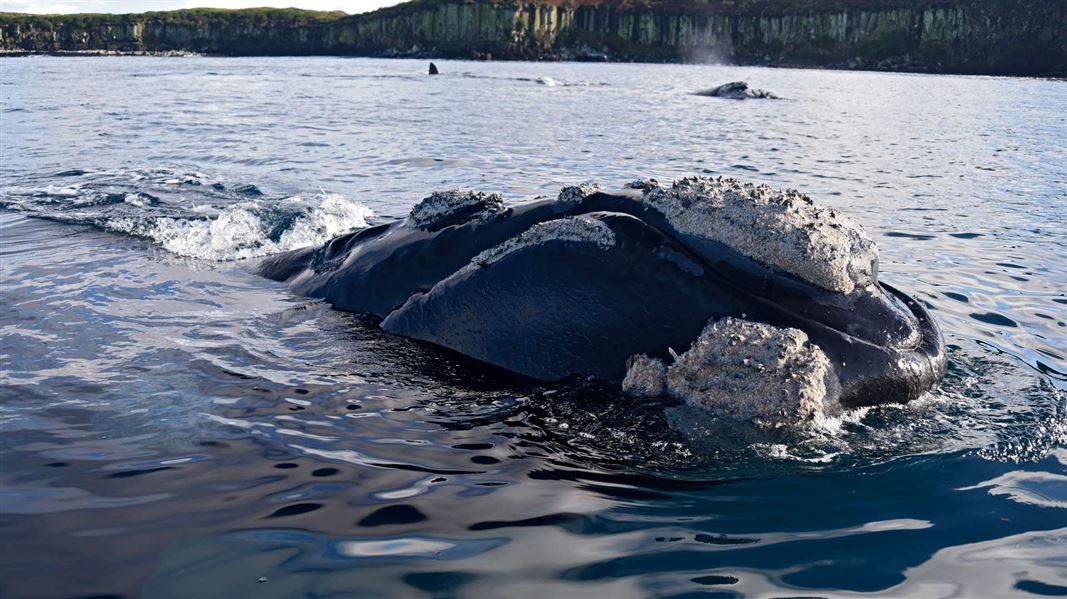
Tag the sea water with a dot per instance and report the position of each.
(172, 425)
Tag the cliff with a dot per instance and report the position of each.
(1007, 37)
(200, 30)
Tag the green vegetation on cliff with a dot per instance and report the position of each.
(206, 30)
(183, 16)
(971, 36)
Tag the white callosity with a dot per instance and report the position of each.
(577, 228)
(784, 230)
(748, 369)
(645, 377)
(642, 184)
(440, 205)
(742, 369)
(575, 194)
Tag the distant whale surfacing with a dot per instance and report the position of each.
(737, 90)
(744, 300)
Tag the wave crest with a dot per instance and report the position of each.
(252, 229)
(188, 213)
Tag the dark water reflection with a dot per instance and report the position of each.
(173, 426)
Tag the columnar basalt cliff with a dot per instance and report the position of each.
(1021, 37)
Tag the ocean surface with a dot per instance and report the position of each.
(172, 425)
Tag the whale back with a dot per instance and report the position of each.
(574, 296)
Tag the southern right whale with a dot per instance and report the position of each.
(741, 298)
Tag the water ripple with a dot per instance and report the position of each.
(173, 425)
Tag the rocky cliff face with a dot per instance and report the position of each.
(970, 36)
(241, 32)
(982, 37)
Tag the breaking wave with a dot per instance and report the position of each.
(190, 214)
(252, 229)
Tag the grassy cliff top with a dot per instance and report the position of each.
(187, 15)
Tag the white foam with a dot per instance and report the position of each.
(65, 192)
(137, 199)
(243, 231)
(329, 216)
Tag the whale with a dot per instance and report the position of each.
(737, 90)
(734, 296)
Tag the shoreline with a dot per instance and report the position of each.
(101, 53)
(1013, 38)
(1053, 76)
